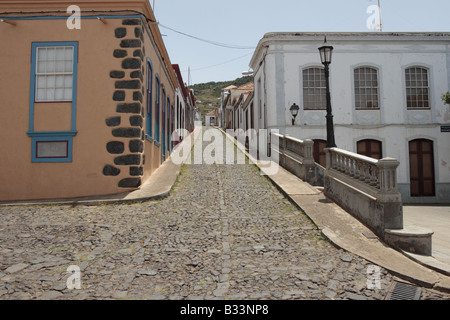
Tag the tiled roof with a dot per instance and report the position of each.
(248, 86)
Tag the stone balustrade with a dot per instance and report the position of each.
(296, 156)
(376, 177)
(365, 187)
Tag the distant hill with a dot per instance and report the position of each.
(207, 94)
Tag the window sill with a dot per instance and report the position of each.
(150, 139)
(33, 134)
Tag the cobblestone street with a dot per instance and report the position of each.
(225, 232)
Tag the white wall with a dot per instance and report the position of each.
(393, 124)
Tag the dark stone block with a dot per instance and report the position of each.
(130, 43)
(120, 32)
(128, 84)
(113, 121)
(138, 32)
(136, 75)
(118, 53)
(130, 183)
(137, 96)
(117, 74)
(131, 159)
(119, 96)
(131, 63)
(127, 132)
(129, 107)
(136, 146)
(131, 22)
(111, 171)
(143, 159)
(115, 147)
(138, 53)
(136, 171)
(136, 121)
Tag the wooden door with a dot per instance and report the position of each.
(318, 152)
(370, 148)
(421, 168)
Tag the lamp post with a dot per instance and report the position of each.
(325, 57)
(294, 111)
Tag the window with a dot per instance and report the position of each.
(51, 147)
(314, 89)
(366, 88)
(163, 123)
(157, 113)
(370, 148)
(168, 116)
(54, 73)
(417, 89)
(149, 118)
(53, 79)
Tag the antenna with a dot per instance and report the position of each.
(379, 12)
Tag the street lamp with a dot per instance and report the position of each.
(294, 111)
(325, 57)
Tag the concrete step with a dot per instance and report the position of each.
(412, 239)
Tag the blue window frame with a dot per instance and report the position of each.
(163, 121)
(169, 126)
(53, 79)
(149, 113)
(157, 111)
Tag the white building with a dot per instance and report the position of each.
(385, 96)
(210, 118)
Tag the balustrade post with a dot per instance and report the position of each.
(329, 158)
(308, 151)
(387, 171)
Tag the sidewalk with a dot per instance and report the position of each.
(436, 218)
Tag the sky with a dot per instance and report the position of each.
(215, 40)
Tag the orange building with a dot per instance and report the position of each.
(87, 97)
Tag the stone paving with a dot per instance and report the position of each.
(225, 232)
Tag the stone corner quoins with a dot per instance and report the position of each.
(127, 123)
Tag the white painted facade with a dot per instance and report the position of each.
(278, 65)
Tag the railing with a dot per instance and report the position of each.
(303, 149)
(295, 155)
(378, 175)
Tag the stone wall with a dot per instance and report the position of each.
(127, 117)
